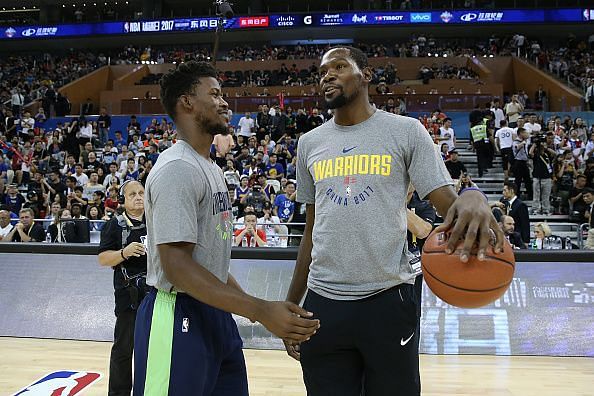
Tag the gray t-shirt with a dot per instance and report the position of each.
(186, 200)
(357, 176)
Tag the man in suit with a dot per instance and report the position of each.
(508, 225)
(518, 210)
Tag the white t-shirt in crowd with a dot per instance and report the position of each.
(447, 133)
(532, 127)
(499, 116)
(246, 126)
(6, 230)
(506, 137)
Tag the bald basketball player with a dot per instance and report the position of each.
(353, 173)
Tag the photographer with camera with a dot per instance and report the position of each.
(122, 248)
(542, 174)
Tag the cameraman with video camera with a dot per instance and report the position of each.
(542, 173)
(122, 248)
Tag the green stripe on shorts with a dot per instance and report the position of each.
(158, 363)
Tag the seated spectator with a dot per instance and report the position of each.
(63, 229)
(454, 166)
(76, 199)
(249, 235)
(464, 182)
(256, 199)
(35, 204)
(131, 173)
(508, 224)
(111, 203)
(588, 215)
(92, 186)
(81, 178)
(271, 225)
(92, 164)
(5, 225)
(13, 199)
(95, 215)
(565, 172)
(274, 170)
(576, 199)
(542, 231)
(26, 230)
(284, 204)
(231, 174)
(267, 188)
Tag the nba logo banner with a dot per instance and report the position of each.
(61, 383)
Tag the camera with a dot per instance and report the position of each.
(538, 139)
(137, 289)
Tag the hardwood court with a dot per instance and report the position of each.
(273, 373)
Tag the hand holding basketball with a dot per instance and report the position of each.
(473, 220)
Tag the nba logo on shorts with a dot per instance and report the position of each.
(185, 325)
(61, 383)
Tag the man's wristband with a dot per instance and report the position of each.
(122, 254)
(475, 189)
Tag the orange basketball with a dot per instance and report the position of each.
(466, 285)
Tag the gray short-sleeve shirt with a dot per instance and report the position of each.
(186, 200)
(357, 177)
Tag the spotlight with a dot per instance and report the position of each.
(224, 8)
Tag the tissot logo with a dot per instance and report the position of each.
(28, 32)
(307, 19)
(471, 16)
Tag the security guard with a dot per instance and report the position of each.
(122, 248)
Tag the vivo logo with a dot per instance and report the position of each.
(417, 17)
(28, 32)
(471, 16)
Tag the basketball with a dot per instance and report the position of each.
(467, 285)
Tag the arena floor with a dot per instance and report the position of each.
(273, 373)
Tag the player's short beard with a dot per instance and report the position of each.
(340, 100)
(212, 127)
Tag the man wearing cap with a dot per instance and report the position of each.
(26, 229)
(454, 166)
(34, 204)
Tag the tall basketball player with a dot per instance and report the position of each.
(353, 173)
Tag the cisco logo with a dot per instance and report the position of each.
(307, 19)
(28, 32)
(471, 16)
(285, 21)
(420, 17)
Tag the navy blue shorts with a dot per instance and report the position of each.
(185, 347)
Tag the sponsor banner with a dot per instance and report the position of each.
(289, 21)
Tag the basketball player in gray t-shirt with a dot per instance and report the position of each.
(353, 173)
(186, 342)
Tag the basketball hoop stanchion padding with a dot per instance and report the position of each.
(466, 285)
